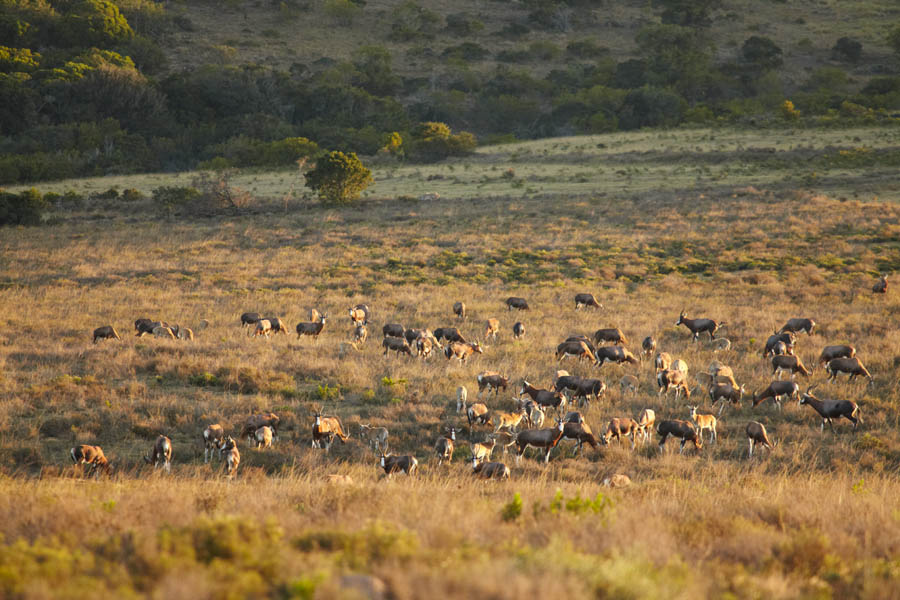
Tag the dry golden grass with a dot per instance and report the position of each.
(814, 517)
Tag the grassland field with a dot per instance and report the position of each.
(750, 228)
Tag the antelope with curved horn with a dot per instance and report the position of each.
(829, 409)
(698, 326)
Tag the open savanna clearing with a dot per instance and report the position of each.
(771, 227)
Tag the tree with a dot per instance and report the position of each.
(338, 178)
(677, 57)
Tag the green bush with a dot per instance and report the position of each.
(411, 21)
(338, 177)
(434, 141)
(847, 49)
(26, 208)
(173, 198)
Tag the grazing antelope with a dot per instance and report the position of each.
(698, 326)
(377, 436)
(491, 380)
(582, 300)
(721, 344)
(509, 420)
(397, 344)
(482, 451)
(478, 413)
(679, 429)
(161, 331)
(722, 373)
(254, 422)
(588, 389)
(212, 437)
(263, 328)
(449, 334)
(518, 330)
(313, 329)
(725, 392)
(582, 338)
(788, 340)
(776, 390)
(393, 464)
(619, 428)
(462, 351)
(663, 361)
(248, 319)
(577, 349)
(92, 456)
(276, 324)
(490, 470)
(614, 354)
(680, 365)
(393, 330)
(829, 409)
(546, 439)
(263, 437)
(829, 353)
(797, 325)
(444, 447)
(670, 378)
(459, 309)
(881, 285)
(360, 334)
(161, 451)
(704, 422)
(788, 363)
(629, 383)
(646, 420)
(648, 347)
(228, 448)
(756, 434)
(580, 433)
(542, 397)
(535, 414)
(850, 366)
(324, 429)
(517, 303)
(107, 332)
(462, 394)
(424, 347)
(359, 315)
(613, 335)
(491, 328)
(504, 439)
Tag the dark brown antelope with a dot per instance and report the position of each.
(829, 353)
(848, 366)
(459, 309)
(444, 447)
(881, 285)
(462, 351)
(756, 434)
(212, 437)
(518, 330)
(797, 325)
(679, 429)
(276, 324)
(831, 409)
(543, 397)
(517, 303)
(394, 464)
(724, 393)
(107, 332)
(490, 470)
(577, 349)
(648, 347)
(581, 434)
(698, 326)
(450, 334)
(582, 300)
(161, 452)
(788, 363)
(776, 391)
(397, 344)
(313, 329)
(615, 354)
(613, 335)
(787, 338)
(248, 319)
(545, 439)
(93, 457)
(360, 334)
(324, 429)
(393, 330)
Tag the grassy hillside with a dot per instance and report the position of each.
(750, 230)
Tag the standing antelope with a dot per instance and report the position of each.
(492, 380)
(756, 434)
(851, 366)
(248, 319)
(392, 464)
(619, 428)
(161, 451)
(228, 448)
(462, 351)
(829, 409)
(776, 390)
(580, 433)
(490, 470)
(107, 332)
(704, 422)
(613, 335)
(540, 438)
(787, 338)
(324, 429)
(504, 439)
(509, 420)
(582, 300)
(377, 436)
(462, 394)
(444, 447)
(670, 378)
(491, 328)
(790, 363)
(482, 451)
(797, 325)
(726, 392)
(648, 347)
(212, 436)
(629, 383)
(646, 420)
(881, 285)
(577, 349)
(359, 315)
(518, 330)
(360, 334)
(679, 429)
(829, 353)
(614, 354)
(459, 309)
(92, 456)
(263, 437)
(543, 397)
(313, 329)
(517, 303)
(663, 361)
(698, 326)
(478, 413)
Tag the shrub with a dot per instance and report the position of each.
(173, 198)
(460, 24)
(762, 53)
(434, 141)
(586, 49)
(338, 177)
(26, 208)
(342, 12)
(412, 21)
(847, 49)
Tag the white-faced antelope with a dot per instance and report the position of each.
(831, 409)
(848, 366)
(679, 429)
(228, 448)
(491, 381)
(93, 457)
(424, 347)
(616, 355)
(518, 330)
(756, 434)
(544, 439)
(324, 429)
(478, 413)
(444, 447)
(161, 452)
(313, 329)
(394, 464)
(645, 421)
(360, 334)
(704, 422)
(698, 326)
(359, 315)
(543, 397)
(585, 299)
(212, 437)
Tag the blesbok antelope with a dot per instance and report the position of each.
(545, 439)
(648, 347)
(161, 452)
(481, 451)
(504, 439)
(449, 334)
(263, 328)
(491, 328)
(509, 420)
(424, 347)
(518, 330)
(462, 395)
(582, 300)
(377, 436)
(724, 393)
(517, 303)
(490, 470)
(848, 366)
(698, 326)
(580, 433)
(359, 315)
(721, 344)
(276, 324)
(393, 464)
(613, 335)
(212, 436)
(263, 437)
(582, 338)
(107, 332)
(491, 381)
(313, 329)
(776, 390)
(543, 397)
(797, 325)
(324, 429)
(679, 429)
(577, 349)
(360, 334)
(663, 361)
(397, 344)
(829, 353)
(787, 338)
(788, 363)
(228, 448)
(614, 354)
(704, 422)
(881, 285)
(444, 447)
(829, 409)
(620, 428)
(459, 309)
(722, 373)
(248, 319)
(478, 413)
(756, 434)
(93, 457)
(462, 351)
(670, 378)
(646, 420)
(254, 422)
(393, 330)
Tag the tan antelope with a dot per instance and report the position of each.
(459, 309)
(263, 328)
(324, 429)
(788, 363)
(698, 326)
(646, 420)
(619, 428)
(161, 452)
(491, 328)
(629, 383)
(670, 378)
(704, 422)
(377, 436)
(577, 349)
(107, 332)
(394, 464)
(228, 449)
(313, 329)
(93, 457)
(212, 436)
(462, 351)
(489, 470)
(509, 420)
(359, 315)
(254, 422)
(756, 434)
(263, 437)
(462, 395)
(504, 439)
(482, 451)
(663, 361)
(478, 413)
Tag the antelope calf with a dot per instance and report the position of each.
(613, 335)
(490, 470)
(648, 347)
(462, 351)
(444, 447)
(679, 429)
(848, 366)
(263, 437)
(704, 422)
(619, 428)
(881, 285)
(107, 332)
(544, 439)
(228, 449)
(797, 325)
(393, 464)
(517, 303)
(721, 344)
(482, 451)
(377, 436)
(646, 420)
(93, 457)
(313, 329)
(459, 309)
(670, 378)
(254, 422)
(424, 347)
(462, 394)
(360, 334)
(491, 380)
(263, 328)
(756, 434)
(161, 452)
(829, 409)
(509, 420)
(788, 363)
(518, 330)
(698, 326)
(582, 300)
(491, 328)
(212, 437)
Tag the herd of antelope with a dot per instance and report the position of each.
(523, 427)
